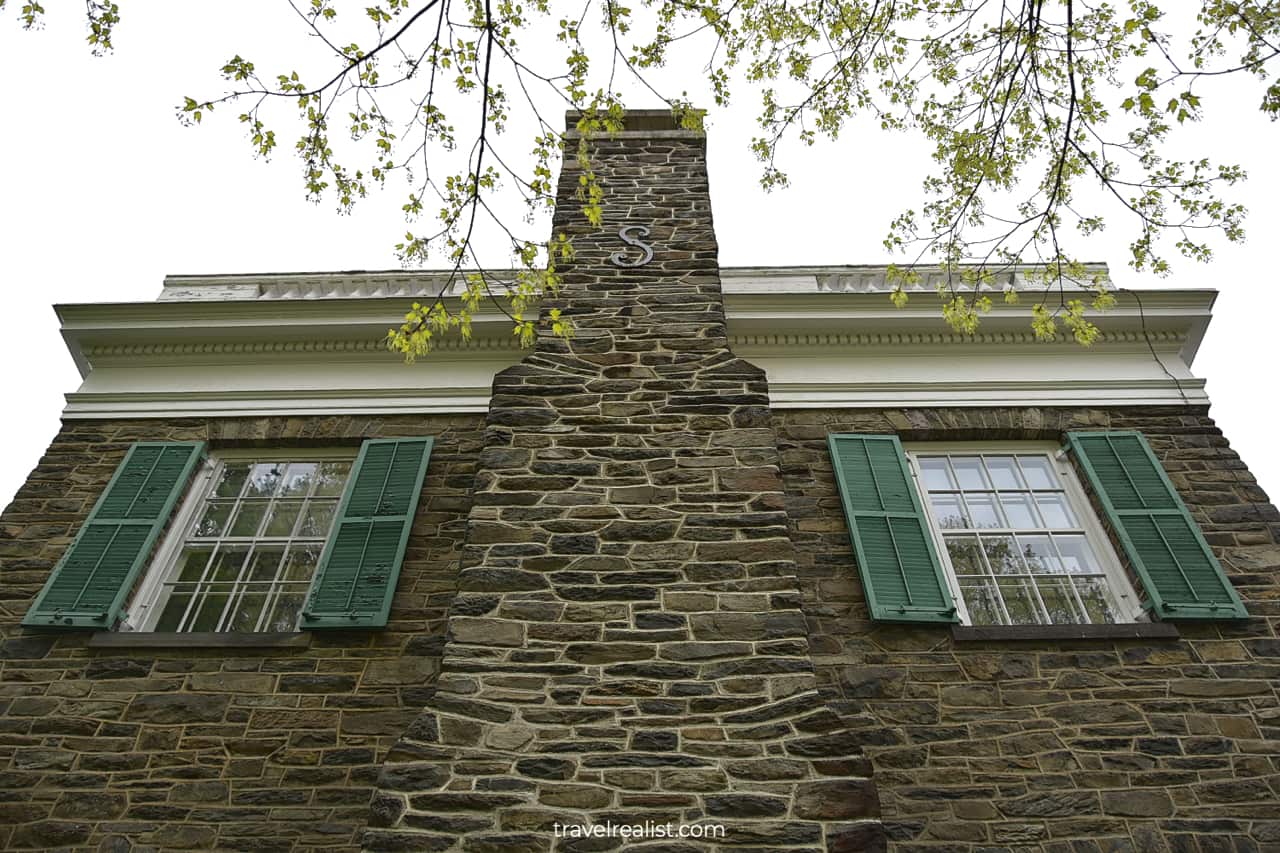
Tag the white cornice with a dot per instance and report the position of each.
(826, 338)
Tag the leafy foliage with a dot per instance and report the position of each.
(1035, 111)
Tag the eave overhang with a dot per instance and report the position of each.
(777, 316)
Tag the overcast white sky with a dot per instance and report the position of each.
(106, 193)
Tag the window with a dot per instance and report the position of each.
(242, 552)
(1017, 538)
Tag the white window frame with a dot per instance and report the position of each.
(144, 610)
(1128, 602)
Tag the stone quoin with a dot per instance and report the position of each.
(753, 552)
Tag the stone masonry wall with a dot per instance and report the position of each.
(627, 645)
(1146, 745)
(267, 749)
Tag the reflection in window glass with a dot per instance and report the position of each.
(1002, 555)
(1039, 555)
(984, 603)
(263, 479)
(1019, 600)
(965, 558)
(1059, 602)
(231, 480)
(1095, 596)
(1014, 542)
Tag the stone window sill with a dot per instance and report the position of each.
(1004, 633)
(195, 640)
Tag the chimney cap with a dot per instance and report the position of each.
(635, 121)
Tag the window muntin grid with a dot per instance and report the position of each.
(1015, 545)
(250, 551)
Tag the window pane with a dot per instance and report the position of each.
(964, 555)
(1039, 472)
(231, 479)
(1020, 511)
(1055, 511)
(284, 616)
(969, 472)
(227, 563)
(937, 476)
(1018, 601)
(191, 563)
(248, 519)
(1076, 554)
(214, 521)
(210, 612)
(317, 519)
(1058, 601)
(1098, 601)
(949, 511)
(984, 510)
(283, 516)
(263, 480)
(980, 598)
(297, 479)
(1002, 554)
(171, 617)
(265, 564)
(1004, 472)
(246, 611)
(331, 477)
(1038, 554)
(301, 563)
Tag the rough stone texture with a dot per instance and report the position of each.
(649, 575)
(627, 644)
(271, 749)
(1055, 745)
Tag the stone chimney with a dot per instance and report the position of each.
(627, 644)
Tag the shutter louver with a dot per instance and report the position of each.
(88, 587)
(901, 575)
(1179, 573)
(358, 570)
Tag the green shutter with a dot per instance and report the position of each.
(357, 575)
(1181, 577)
(900, 571)
(89, 585)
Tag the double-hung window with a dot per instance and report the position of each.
(243, 552)
(1018, 541)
